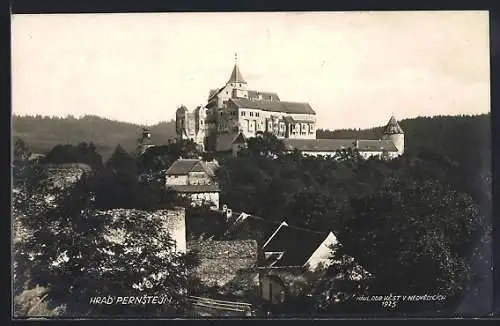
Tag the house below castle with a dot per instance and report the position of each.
(194, 179)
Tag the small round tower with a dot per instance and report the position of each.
(394, 132)
(144, 142)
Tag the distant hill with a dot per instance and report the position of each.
(42, 133)
(463, 138)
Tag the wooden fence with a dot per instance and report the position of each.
(211, 307)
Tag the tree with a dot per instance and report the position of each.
(76, 253)
(407, 227)
(21, 152)
(81, 153)
(265, 144)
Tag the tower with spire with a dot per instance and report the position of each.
(236, 81)
(395, 133)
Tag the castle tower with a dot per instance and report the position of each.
(181, 122)
(200, 116)
(144, 142)
(236, 81)
(394, 132)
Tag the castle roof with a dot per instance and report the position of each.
(236, 76)
(269, 96)
(252, 94)
(332, 145)
(274, 106)
(393, 127)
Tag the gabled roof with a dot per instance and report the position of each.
(274, 106)
(240, 139)
(246, 226)
(211, 167)
(332, 145)
(184, 166)
(393, 127)
(296, 244)
(236, 76)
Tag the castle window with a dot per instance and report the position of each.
(242, 113)
(256, 114)
(251, 114)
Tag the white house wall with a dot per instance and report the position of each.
(199, 197)
(365, 155)
(177, 180)
(323, 253)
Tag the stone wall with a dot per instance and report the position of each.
(65, 175)
(174, 222)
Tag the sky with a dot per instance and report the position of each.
(355, 69)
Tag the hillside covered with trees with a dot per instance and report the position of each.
(42, 133)
(463, 138)
(417, 223)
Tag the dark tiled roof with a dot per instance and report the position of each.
(297, 245)
(274, 106)
(393, 127)
(265, 95)
(222, 260)
(184, 166)
(369, 145)
(252, 226)
(332, 145)
(236, 76)
(194, 188)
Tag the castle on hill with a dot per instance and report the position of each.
(234, 113)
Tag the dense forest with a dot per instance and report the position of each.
(417, 223)
(42, 133)
(463, 138)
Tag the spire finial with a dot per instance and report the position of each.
(235, 58)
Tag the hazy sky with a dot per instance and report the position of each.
(354, 68)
